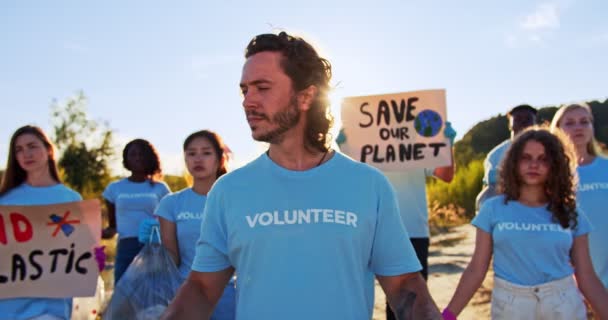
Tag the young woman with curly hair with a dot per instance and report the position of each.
(131, 200)
(576, 120)
(537, 235)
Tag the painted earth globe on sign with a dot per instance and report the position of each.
(428, 123)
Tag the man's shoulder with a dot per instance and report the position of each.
(499, 148)
(177, 195)
(117, 183)
(243, 174)
(349, 164)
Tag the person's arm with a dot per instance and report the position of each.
(409, 297)
(473, 275)
(110, 231)
(197, 297)
(446, 173)
(168, 235)
(587, 279)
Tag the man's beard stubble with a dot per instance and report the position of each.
(285, 120)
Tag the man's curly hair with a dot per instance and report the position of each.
(305, 67)
(560, 186)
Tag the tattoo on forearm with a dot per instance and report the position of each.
(405, 305)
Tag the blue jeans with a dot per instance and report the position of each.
(126, 250)
(226, 307)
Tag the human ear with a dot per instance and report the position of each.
(306, 96)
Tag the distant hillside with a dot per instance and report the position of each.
(486, 134)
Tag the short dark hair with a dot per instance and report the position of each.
(523, 107)
(303, 65)
(152, 165)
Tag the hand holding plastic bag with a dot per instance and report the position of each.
(145, 233)
(147, 287)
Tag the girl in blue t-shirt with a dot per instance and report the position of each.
(537, 235)
(576, 120)
(131, 200)
(181, 213)
(31, 178)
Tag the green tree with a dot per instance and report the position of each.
(85, 146)
(461, 192)
(175, 183)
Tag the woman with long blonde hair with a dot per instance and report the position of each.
(576, 120)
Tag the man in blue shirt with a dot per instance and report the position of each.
(520, 117)
(305, 228)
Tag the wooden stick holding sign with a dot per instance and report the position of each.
(48, 251)
(397, 131)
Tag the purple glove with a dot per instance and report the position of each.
(100, 257)
(448, 315)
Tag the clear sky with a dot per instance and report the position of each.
(161, 70)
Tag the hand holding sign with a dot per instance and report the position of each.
(449, 132)
(43, 248)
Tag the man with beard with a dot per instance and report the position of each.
(305, 228)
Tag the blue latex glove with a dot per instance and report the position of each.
(145, 231)
(449, 132)
(341, 137)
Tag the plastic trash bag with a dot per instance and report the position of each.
(88, 308)
(147, 286)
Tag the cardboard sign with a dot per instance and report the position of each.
(48, 251)
(397, 131)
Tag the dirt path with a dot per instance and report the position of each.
(448, 257)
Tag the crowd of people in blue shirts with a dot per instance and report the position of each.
(306, 229)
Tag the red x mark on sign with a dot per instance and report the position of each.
(62, 223)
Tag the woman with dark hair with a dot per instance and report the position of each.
(537, 235)
(131, 200)
(576, 120)
(31, 178)
(181, 213)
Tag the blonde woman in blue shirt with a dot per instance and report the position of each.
(576, 120)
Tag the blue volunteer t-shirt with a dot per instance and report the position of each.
(134, 202)
(26, 308)
(529, 247)
(591, 196)
(305, 244)
(185, 209)
(410, 189)
(492, 162)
